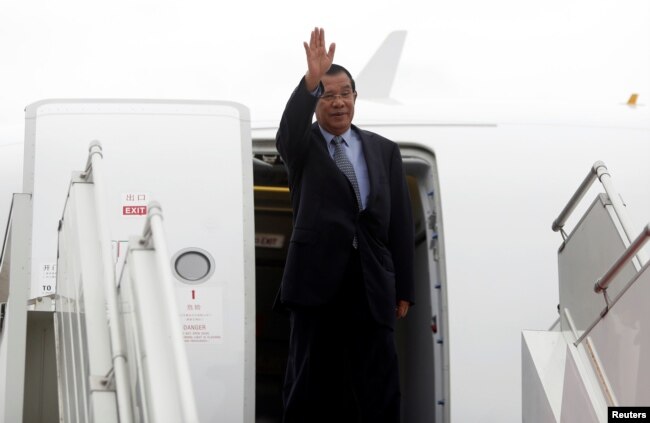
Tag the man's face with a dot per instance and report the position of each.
(335, 109)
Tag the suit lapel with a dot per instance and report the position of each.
(327, 159)
(320, 140)
(373, 158)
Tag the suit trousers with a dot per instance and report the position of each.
(342, 365)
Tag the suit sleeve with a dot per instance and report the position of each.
(292, 138)
(401, 230)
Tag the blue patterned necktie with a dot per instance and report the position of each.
(343, 163)
(346, 167)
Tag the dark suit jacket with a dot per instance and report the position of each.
(326, 217)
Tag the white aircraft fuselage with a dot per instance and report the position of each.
(486, 181)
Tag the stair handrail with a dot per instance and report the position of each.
(603, 282)
(154, 235)
(600, 171)
(558, 223)
(3, 248)
(94, 168)
(6, 235)
(629, 252)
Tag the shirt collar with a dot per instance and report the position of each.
(347, 135)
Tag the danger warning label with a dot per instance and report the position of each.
(201, 314)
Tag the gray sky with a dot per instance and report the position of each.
(250, 51)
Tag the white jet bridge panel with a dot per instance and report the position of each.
(192, 157)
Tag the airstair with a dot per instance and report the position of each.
(94, 351)
(100, 324)
(596, 355)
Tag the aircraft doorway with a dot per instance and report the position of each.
(420, 341)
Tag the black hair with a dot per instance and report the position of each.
(336, 69)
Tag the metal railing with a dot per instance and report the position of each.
(153, 235)
(94, 169)
(600, 171)
(604, 281)
(630, 252)
(634, 245)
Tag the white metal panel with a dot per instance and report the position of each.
(578, 402)
(622, 342)
(592, 247)
(14, 331)
(195, 159)
(543, 362)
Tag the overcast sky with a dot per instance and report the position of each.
(251, 51)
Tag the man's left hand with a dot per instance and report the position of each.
(402, 309)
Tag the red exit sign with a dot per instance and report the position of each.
(134, 210)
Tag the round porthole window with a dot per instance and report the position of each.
(193, 265)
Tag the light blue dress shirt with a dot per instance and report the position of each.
(354, 150)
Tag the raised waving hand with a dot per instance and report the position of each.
(319, 60)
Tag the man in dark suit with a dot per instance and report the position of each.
(349, 268)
